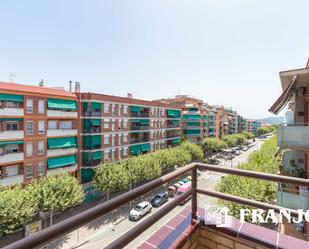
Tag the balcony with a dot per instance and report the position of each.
(61, 152)
(61, 132)
(139, 127)
(188, 229)
(18, 112)
(10, 180)
(11, 135)
(11, 157)
(294, 137)
(92, 114)
(63, 114)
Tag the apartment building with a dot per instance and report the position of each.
(113, 128)
(38, 132)
(293, 137)
(252, 126)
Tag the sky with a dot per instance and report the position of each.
(226, 52)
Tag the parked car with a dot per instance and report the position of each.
(189, 178)
(181, 182)
(185, 180)
(159, 199)
(245, 148)
(238, 152)
(213, 161)
(183, 189)
(140, 210)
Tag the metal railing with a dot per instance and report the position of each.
(50, 234)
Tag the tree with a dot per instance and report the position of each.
(248, 135)
(17, 206)
(211, 145)
(109, 177)
(195, 150)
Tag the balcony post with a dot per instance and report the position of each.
(194, 194)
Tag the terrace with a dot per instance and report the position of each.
(188, 228)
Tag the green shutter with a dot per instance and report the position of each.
(145, 147)
(58, 162)
(62, 104)
(11, 119)
(95, 122)
(193, 124)
(135, 108)
(87, 174)
(85, 106)
(87, 142)
(135, 150)
(135, 120)
(188, 116)
(144, 121)
(191, 132)
(11, 97)
(96, 140)
(62, 143)
(96, 106)
(87, 123)
(86, 157)
(193, 109)
(11, 142)
(175, 121)
(96, 155)
(173, 113)
(176, 141)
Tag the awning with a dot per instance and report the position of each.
(11, 97)
(85, 104)
(58, 162)
(191, 116)
(284, 97)
(193, 123)
(11, 119)
(189, 132)
(92, 141)
(10, 142)
(95, 122)
(96, 155)
(173, 113)
(135, 150)
(135, 108)
(86, 157)
(96, 105)
(175, 121)
(135, 120)
(62, 143)
(145, 147)
(62, 104)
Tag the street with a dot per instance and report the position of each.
(109, 232)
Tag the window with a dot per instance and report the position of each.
(119, 110)
(106, 140)
(41, 127)
(29, 127)
(113, 110)
(125, 109)
(29, 105)
(125, 138)
(29, 149)
(12, 170)
(125, 123)
(11, 104)
(41, 148)
(11, 149)
(106, 108)
(119, 139)
(125, 151)
(41, 107)
(65, 124)
(41, 168)
(52, 124)
(29, 170)
(106, 155)
(12, 126)
(106, 125)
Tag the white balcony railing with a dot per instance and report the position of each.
(294, 137)
(11, 157)
(10, 135)
(10, 180)
(19, 112)
(61, 152)
(293, 201)
(57, 113)
(61, 132)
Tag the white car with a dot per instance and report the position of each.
(140, 210)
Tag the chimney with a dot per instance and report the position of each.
(77, 87)
(307, 66)
(70, 83)
(130, 95)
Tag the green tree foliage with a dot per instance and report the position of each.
(52, 193)
(17, 206)
(266, 129)
(58, 192)
(248, 135)
(126, 173)
(260, 190)
(212, 145)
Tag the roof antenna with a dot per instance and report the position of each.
(41, 82)
(11, 77)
